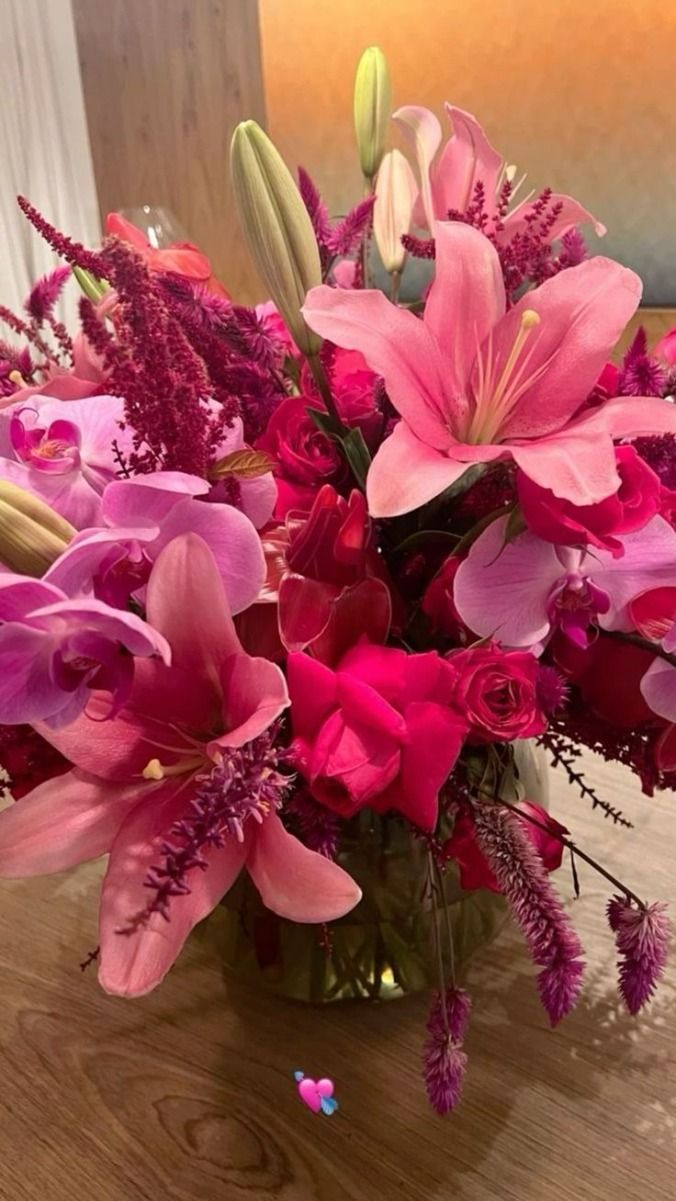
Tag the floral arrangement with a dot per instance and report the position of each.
(268, 573)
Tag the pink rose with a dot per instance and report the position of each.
(636, 501)
(475, 872)
(499, 693)
(377, 731)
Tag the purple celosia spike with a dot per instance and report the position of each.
(642, 940)
(44, 294)
(641, 374)
(536, 908)
(317, 210)
(444, 1061)
(348, 234)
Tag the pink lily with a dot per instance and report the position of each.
(448, 183)
(134, 777)
(474, 383)
(142, 515)
(63, 451)
(54, 651)
(521, 592)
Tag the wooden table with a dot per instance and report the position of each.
(187, 1095)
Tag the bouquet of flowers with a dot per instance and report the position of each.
(283, 582)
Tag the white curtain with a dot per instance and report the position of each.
(44, 144)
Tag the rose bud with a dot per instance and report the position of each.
(372, 109)
(276, 226)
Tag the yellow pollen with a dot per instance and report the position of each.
(529, 318)
(154, 770)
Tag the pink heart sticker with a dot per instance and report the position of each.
(325, 1087)
(309, 1092)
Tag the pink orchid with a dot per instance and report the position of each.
(54, 651)
(474, 383)
(521, 591)
(139, 517)
(258, 496)
(63, 451)
(448, 183)
(136, 776)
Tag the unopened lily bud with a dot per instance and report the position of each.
(396, 192)
(372, 109)
(32, 536)
(277, 227)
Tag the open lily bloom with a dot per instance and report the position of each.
(448, 182)
(62, 450)
(137, 775)
(474, 383)
(521, 592)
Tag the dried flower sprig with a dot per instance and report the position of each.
(642, 939)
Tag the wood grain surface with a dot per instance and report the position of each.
(188, 1094)
(165, 82)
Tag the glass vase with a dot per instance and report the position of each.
(387, 946)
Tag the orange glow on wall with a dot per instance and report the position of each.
(577, 92)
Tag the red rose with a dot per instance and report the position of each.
(498, 693)
(636, 501)
(304, 457)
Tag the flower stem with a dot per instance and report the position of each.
(395, 281)
(319, 376)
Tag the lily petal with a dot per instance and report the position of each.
(397, 346)
(133, 964)
(423, 131)
(63, 822)
(297, 883)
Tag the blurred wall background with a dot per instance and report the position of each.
(580, 93)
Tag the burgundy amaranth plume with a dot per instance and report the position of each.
(519, 871)
(642, 940)
(527, 257)
(151, 364)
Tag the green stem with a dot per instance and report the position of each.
(319, 376)
(395, 282)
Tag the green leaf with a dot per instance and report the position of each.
(323, 421)
(93, 288)
(357, 455)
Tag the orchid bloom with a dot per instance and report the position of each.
(62, 450)
(54, 651)
(474, 383)
(521, 591)
(134, 777)
(142, 515)
(448, 183)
